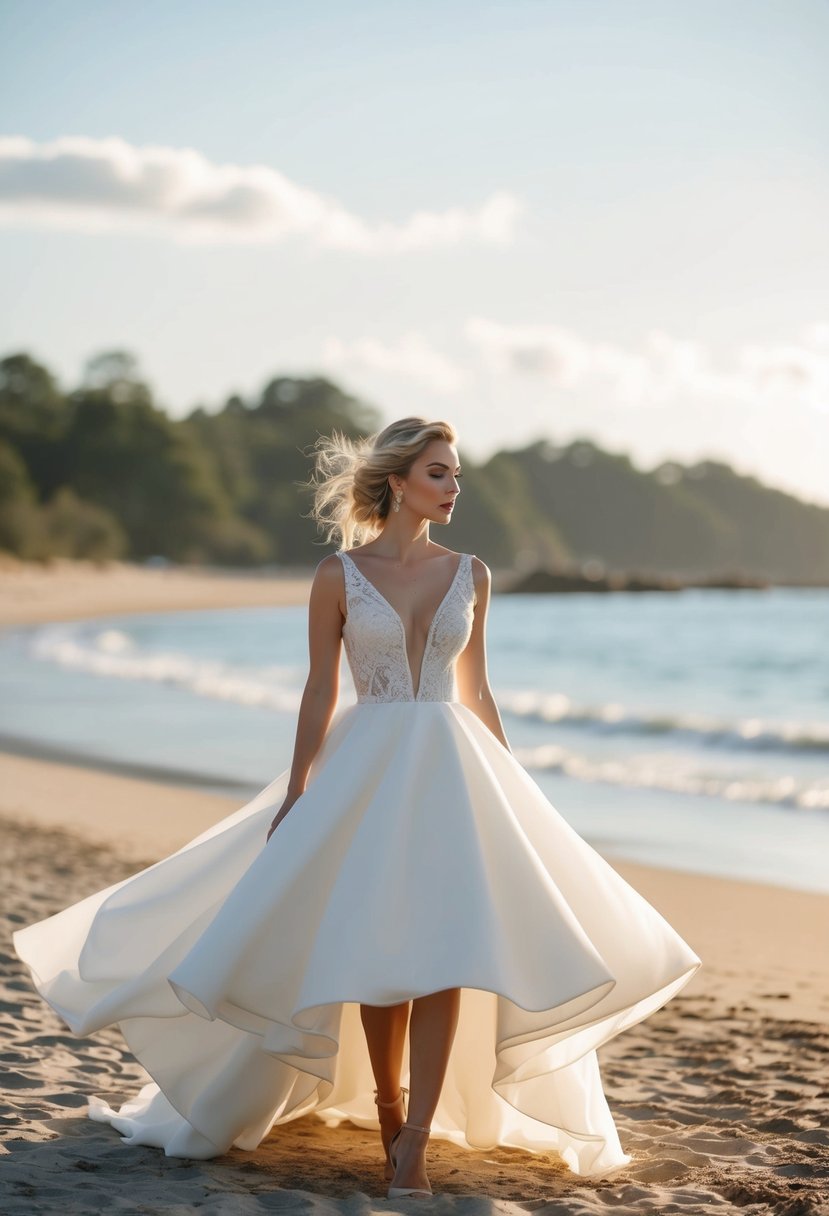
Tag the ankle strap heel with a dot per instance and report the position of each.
(403, 1192)
(394, 1102)
(393, 1142)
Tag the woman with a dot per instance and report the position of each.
(414, 884)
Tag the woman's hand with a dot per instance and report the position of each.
(282, 812)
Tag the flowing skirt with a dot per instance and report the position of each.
(421, 856)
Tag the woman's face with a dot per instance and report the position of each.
(432, 485)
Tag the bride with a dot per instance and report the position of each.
(404, 884)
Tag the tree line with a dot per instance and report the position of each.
(101, 471)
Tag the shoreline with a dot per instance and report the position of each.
(52, 753)
(69, 590)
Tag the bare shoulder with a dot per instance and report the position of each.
(327, 565)
(481, 580)
(480, 570)
(481, 574)
(328, 576)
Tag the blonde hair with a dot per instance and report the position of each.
(352, 495)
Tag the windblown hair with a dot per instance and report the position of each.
(352, 495)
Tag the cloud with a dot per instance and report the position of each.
(663, 369)
(96, 185)
(546, 351)
(790, 369)
(410, 357)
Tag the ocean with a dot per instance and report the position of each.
(688, 730)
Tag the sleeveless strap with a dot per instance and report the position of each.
(348, 569)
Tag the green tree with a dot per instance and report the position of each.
(127, 456)
(33, 420)
(262, 452)
(73, 528)
(20, 523)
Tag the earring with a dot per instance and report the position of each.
(397, 499)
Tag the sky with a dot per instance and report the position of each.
(601, 219)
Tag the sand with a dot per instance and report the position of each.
(721, 1096)
(63, 590)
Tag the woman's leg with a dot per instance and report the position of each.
(385, 1029)
(431, 1034)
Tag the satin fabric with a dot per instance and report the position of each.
(421, 856)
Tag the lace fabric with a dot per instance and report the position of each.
(375, 639)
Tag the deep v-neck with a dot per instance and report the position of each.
(399, 619)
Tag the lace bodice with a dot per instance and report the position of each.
(375, 638)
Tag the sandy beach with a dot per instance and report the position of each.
(722, 1097)
(31, 593)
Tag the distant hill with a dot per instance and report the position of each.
(677, 520)
(102, 471)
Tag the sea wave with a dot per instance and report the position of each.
(753, 734)
(111, 652)
(642, 772)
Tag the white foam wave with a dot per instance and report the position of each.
(665, 773)
(110, 652)
(613, 718)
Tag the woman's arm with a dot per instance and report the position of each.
(473, 682)
(319, 697)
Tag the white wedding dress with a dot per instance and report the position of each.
(421, 856)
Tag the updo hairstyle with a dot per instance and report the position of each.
(350, 481)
